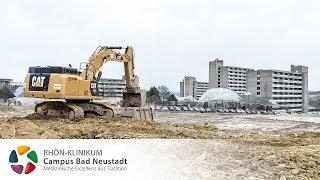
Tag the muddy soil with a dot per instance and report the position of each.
(240, 154)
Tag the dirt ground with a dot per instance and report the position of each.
(257, 123)
(241, 153)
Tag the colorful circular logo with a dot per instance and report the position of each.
(23, 151)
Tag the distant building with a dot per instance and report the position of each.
(112, 89)
(289, 89)
(229, 77)
(189, 86)
(16, 85)
(17, 88)
(5, 82)
(186, 86)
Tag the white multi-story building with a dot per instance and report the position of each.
(200, 88)
(112, 89)
(189, 86)
(5, 82)
(289, 89)
(230, 77)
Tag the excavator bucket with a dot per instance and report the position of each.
(138, 113)
(131, 99)
(132, 107)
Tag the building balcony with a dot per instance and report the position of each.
(287, 76)
(285, 91)
(286, 86)
(288, 101)
(287, 95)
(291, 105)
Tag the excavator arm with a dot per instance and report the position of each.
(103, 54)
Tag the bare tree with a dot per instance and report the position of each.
(315, 102)
(164, 93)
(6, 94)
(153, 96)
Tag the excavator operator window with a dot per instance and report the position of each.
(53, 69)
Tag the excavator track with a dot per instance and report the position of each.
(76, 111)
(60, 109)
(109, 109)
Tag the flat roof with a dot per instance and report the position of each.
(6, 80)
(282, 71)
(249, 69)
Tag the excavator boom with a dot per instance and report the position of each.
(103, 54)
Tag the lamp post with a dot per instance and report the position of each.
(248, 96)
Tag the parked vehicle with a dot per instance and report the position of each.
(226, 110)
(164, 108)
(220, 111)
(208, 110)
(190, 109)
(184, 108)
(196, 109)
(177, 108)
(171, 108)
(254, 112)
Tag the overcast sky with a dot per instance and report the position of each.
(171, 38)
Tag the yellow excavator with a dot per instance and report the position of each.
(74, 93)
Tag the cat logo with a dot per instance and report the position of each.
(93, 85)
(94, 88)
(38, 81)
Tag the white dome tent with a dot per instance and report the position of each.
(186, 99)
(220, 97)
(220, 94)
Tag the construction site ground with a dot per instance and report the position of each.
(233, 146)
